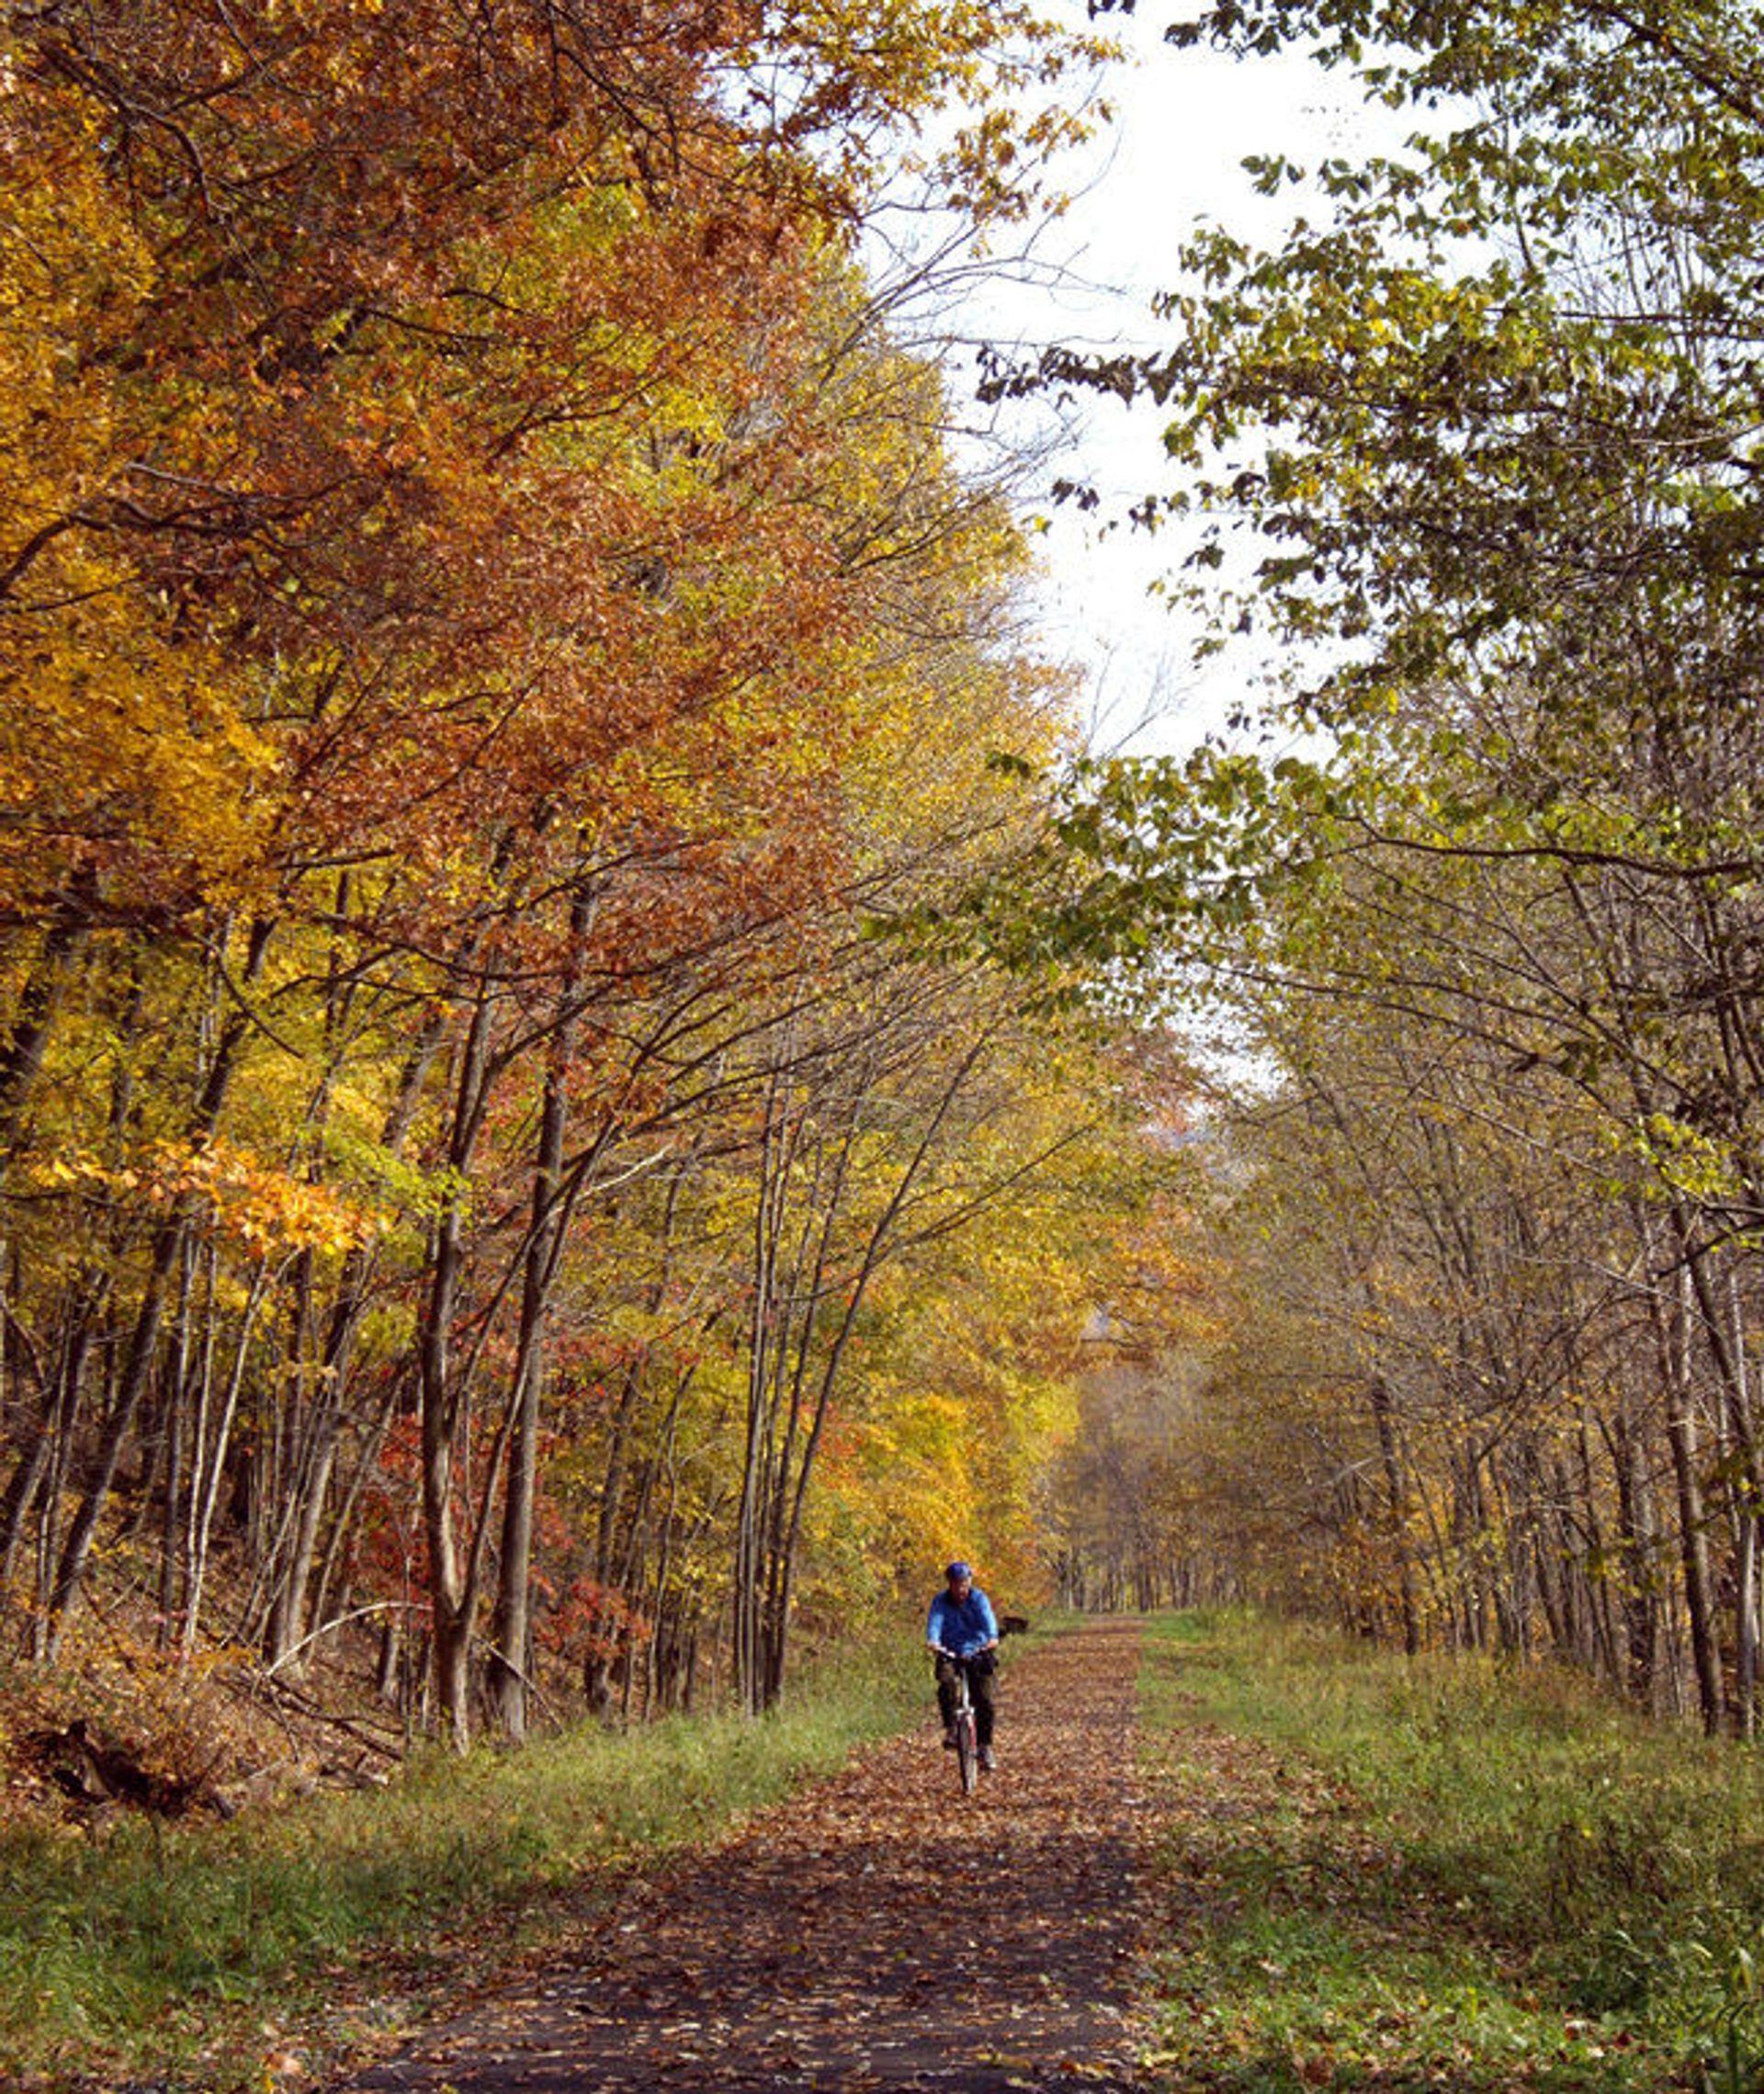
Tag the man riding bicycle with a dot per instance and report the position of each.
(962, 1625)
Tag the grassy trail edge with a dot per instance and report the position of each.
(209, 1954)
(1382, 1873)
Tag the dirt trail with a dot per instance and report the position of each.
(877, 1932)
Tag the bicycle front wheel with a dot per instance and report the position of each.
(967, 1757)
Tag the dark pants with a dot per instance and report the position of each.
(982, 1678)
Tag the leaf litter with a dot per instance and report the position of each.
(877, 1930)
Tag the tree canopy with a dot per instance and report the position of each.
(1474, 891)
(496, 645)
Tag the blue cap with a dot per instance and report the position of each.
(958, 1570)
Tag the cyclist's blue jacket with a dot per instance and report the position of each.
(961, 1626)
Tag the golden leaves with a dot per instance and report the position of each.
(262, 1209)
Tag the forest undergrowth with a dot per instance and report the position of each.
(1405, 1874)
(257, 1951)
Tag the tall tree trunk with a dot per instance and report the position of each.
(1724, 1337)
(317, 1453)
(168, 1242)
(205, 1493)
(1672, 1337)
(548, 1220)
(1644, 1552)
(1396, 1495)
(450, 1601)
(875, 1250)
(752, 1515)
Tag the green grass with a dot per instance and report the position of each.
(169, 1952)
(1400, 1874)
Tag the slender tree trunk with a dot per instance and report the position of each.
(1672, 1332)
(876, 1249)
(180, 1379)
(509, 1660)
(22, 1486)
(751, 1514)
(450, 1603)
(1397, 1495)
(317, 1457)
(168, 1242)
(206, 1489)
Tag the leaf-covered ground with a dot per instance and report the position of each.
(878, 1930)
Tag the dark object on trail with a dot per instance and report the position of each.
(1014, 1624)
(91, 1773)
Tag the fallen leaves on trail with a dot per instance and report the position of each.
(878, 1930)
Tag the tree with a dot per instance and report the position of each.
(480, 480)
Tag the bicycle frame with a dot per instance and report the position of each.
(967, 1751)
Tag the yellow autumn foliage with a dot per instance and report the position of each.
(124, 747)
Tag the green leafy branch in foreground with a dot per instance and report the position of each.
(1404, 1874)
(1482, 422)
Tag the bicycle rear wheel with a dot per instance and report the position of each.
(967, 1757)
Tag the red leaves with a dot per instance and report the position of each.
(586, 1621)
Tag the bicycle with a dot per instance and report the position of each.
(968, 1749)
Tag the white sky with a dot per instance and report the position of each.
(1186, 119)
